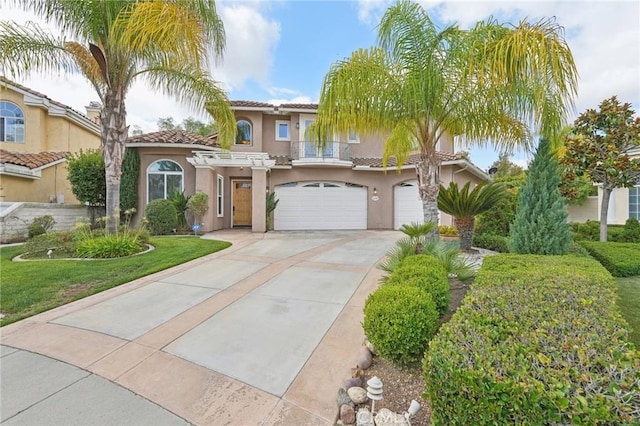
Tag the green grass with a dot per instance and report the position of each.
(28, 288)
(629, 303)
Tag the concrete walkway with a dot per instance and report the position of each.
(261, 333)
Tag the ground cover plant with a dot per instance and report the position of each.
(29, 288)
(559, 355)
(621, 259)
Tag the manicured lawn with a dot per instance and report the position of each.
(629, 302)
(28, 288)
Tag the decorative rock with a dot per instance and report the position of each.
(364, 358)
(364, 417)
(371, 348)
(343, 398)
(354, 381)
(386, 417)
(347, 414)
(357, 395)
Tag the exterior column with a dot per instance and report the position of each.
(205, 182)
(259, 199)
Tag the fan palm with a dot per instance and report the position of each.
(464, 205)
(116, 43)
(492, 82)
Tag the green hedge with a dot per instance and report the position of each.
(426, 273)
(399, 321)
(538, 340)
(621, 259)
(491, 242)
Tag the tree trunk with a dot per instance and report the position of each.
(604, 211)
(114, 136)
(465, 227)
(428, 171)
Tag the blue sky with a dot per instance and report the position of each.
(279, 51)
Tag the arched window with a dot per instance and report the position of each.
(11, 123)
(245, 133)
(164, 177)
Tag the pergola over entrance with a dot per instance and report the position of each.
(205, 163)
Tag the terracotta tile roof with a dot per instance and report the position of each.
(250, 104)
(174, 137)
(32, 160)
(4, 81)
(299, 106)
(411, 160)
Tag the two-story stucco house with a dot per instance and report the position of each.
(341, 186)
(36, 135)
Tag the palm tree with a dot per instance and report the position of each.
(493, 82)
(118, 42)
(464, 205)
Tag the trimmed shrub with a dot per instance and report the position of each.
(538, 340)
(40, 225)
(109, 246)
(447, 230)
(631, 231)
(399, 321)
(492, 242)
(590, 231)
(162, 216)
(621, 259)
(427, 274)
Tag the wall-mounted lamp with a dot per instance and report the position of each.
(297, 125)
(267, 189)
(241, 168)
(375, 191)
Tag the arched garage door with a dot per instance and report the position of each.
(407, 206)
(320, 205)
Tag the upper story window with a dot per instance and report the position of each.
(352, 136)
(164, 177)
(11, 123)
(245, 133)
(282, 130)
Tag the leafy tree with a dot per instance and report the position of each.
(540, 226)
(599, 146)
(494, 82)
(165, 42)
(464, 205)
(167, 123)
(87, 178)
(129, 182)
(190, 124)
(135, 130)
(507, 172)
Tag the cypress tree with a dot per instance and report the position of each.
(540, 225)
(129, 180)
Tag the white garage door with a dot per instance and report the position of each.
(407, 204)
(320, 205)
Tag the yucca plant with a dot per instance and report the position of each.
(181, 203)
(464, 204)
(272, 203)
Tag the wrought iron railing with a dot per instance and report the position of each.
(331, 150)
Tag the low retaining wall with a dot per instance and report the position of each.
(16, 217)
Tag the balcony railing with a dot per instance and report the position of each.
(309, 150)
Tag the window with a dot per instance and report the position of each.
(11, 123)
(282, 130)
(634, 202)
(220, 196)
(164, 177)
(352, 136)
(244, 136)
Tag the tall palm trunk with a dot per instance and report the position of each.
(114, 136)
(428, 171)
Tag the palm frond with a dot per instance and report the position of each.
(417, 229)
(195, 89)
(28, 48)
(463, 203)
(87, 64)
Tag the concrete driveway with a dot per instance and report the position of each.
(261, 333)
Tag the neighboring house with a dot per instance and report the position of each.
(36, 135)
(623, 204)
(341, 186)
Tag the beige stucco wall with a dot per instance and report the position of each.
(586, 211)
(52, 186)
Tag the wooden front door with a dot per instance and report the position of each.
(241, 203)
